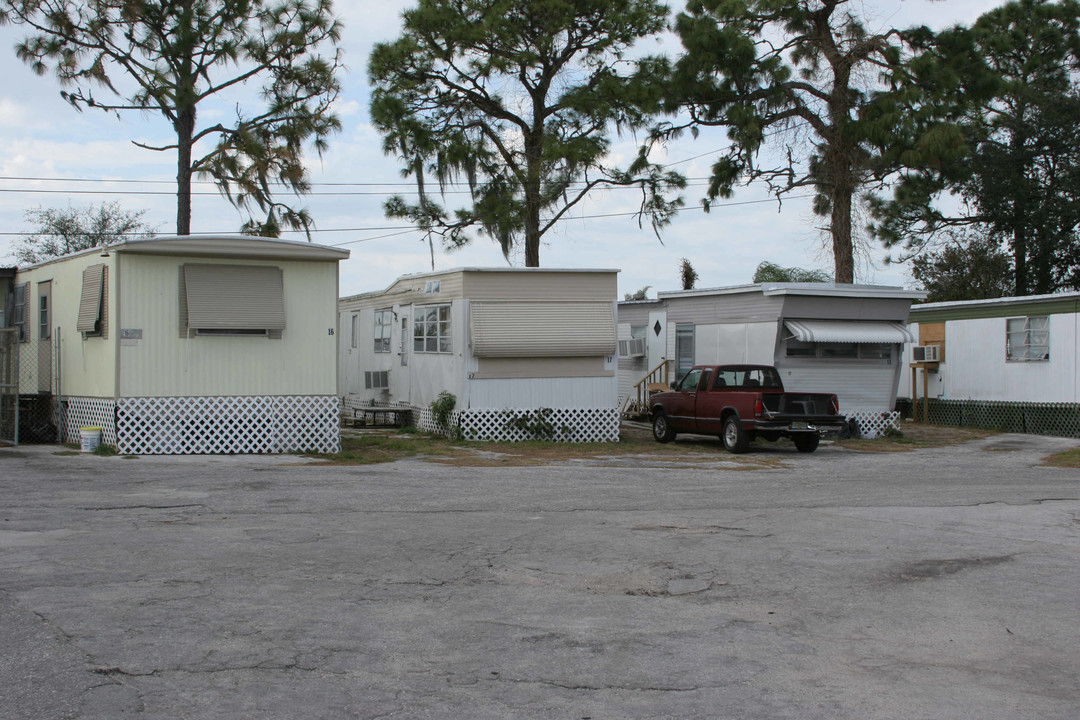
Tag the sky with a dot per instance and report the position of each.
(54, 156)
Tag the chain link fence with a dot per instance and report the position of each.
(28, 389)
(1058, 419)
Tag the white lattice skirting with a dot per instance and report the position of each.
(872, 424)
(216, 425)
(80, 412)
(516, 425)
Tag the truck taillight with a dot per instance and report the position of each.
(834, 404)
(759, 408)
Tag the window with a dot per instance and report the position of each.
(376, 380)
(684, 349)
(746, 377)
(690, 380)
(839, 350)
(431, 329)
(1027, 339)
(44, 314)
(355, 337)
(92, 301)
(20, 319)
(231, 300)
(383, 320)
(432, 287)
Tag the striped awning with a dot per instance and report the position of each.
(849, 331)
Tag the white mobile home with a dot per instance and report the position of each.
(200, 344)
(1000, 363)
(822, 337)
(505, 342)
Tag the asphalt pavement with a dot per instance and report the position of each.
(939, 583)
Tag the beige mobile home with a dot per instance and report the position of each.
(200, 344)
(507, 343)
(822, 337)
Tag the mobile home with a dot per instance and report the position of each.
(822, 337)
(199, 344)
(512, 345)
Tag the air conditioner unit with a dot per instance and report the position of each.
(927, 353)
(634, 347)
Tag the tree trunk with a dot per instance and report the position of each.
(533, 156)
(185, 128)
(843, 249)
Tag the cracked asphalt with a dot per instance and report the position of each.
(940, 583)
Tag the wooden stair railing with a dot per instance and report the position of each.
(654, 381)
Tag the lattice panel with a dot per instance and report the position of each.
(1059, 419)
(872, 424)
(81, 412)
(217, 425)
(351, 402)
(425, 421)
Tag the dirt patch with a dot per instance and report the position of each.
(1067, 459)
(917, 435)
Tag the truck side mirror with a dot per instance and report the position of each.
(673, 384)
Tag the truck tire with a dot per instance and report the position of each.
(661, 428)
(735, 440)
(806, 442)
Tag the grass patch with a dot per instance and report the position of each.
(913, 436)
(103, 450)
(67, 452)
(1067, 459)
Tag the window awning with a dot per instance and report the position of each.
(543, 329)
(93, 278)
(849, 331)
(234, 297)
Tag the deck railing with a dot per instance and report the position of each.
(655, 380)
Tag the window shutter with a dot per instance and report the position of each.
(543, 329)
(93, 281)
(234, 297)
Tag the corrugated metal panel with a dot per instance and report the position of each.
(93, 279)
(707, 310)
(849, 332)
(524, 284)
(870, 387)
(234, 297)
(543, 329)
(846, 308)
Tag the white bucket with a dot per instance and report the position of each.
(90, 438)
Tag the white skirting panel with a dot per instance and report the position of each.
(221, 425)
(80, 412)
(520, 424)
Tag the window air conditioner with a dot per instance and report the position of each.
(927, 353)
(634, 347)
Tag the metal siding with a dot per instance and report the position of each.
(162, 364)
(845, 308)
(88, 366)
(542, 329)
(714, 309)
(544, 392)
(407, 291)
(976, 367)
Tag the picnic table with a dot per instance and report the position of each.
(357, 415)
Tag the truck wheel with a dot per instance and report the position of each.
(661, 429)
(735, 440)
(806, 442)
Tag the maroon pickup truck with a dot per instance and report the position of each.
(740, 402)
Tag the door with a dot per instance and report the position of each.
(656, 338)
(400, 382)
(682, 407)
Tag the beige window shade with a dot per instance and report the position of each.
(542, 329)
(90, 305)
(233, 297)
